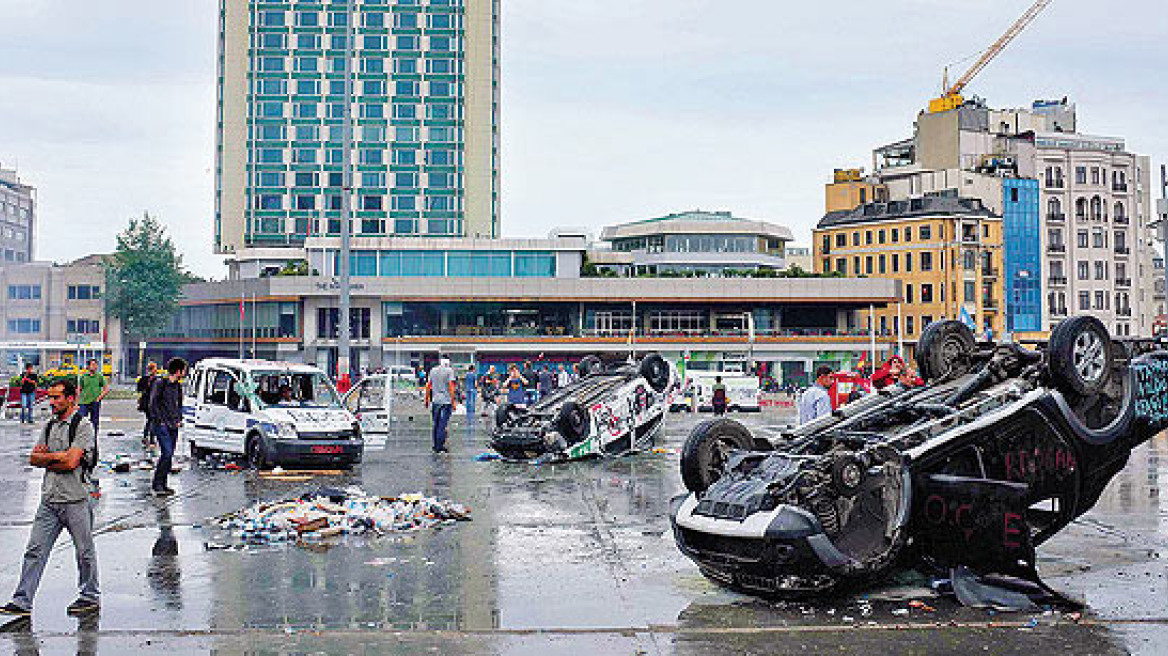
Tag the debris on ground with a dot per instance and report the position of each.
(332, 512)
(486, 457)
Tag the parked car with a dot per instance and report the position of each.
(611, 410)
(274, 413)
(999, 451)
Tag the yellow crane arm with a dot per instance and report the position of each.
(998, 46)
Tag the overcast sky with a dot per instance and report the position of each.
(613, 110)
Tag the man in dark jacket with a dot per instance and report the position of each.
(530, 383)
(166, 417)
(145, 383)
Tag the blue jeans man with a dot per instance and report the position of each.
(27, 399)
(92, 412)
(440, 413)
(167, 436)
(470, 402)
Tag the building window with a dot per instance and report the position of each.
(1100, 270)
(1082, 239)
(24, 326)
(82, 292)
(24, 292)
(908, 293)
(926, 233)
(1081, 175)
(855, 239)
(327, 324)
(1084, 301)
(868, 237)
(926, 261)
(895, 235)
(908, 258)
(895, 263)
(926, 293)
(868, 265)
(1084, 270)
(841, 266)
(908, 233)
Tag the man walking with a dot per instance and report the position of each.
(94, 387)
(471, 386)
(165, 412)
(530, 383)
(815, 401)
(440, 400)
(547, 381)
(28, 388)
(145, 383)
(65, 451)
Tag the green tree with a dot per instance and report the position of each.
(144, 278)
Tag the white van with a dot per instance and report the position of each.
(274, 413)
(742, 391)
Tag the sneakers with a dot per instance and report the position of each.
(164, 492)
(12, 610)
(82, 606)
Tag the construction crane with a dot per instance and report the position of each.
(952, 98)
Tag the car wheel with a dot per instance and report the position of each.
(505, 413)
(707, 450)
(655, 370)
(848, 473)
(1080, 356)
(945, 350)
(257, 457)
(590, 366)
(574, 422)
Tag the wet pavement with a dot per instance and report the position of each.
(559, 559)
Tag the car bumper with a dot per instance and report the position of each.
(315, 452)
(520, 443)
(781, 552)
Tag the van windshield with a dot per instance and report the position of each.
(294, 390)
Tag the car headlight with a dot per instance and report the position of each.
(286, 430)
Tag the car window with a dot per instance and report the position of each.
(217, 390)
(372, 396)
(192, 383)
(354, 396)
(294, 389)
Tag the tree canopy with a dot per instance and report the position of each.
(144, 278)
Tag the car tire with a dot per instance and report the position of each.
(590, 366)
(655, 370)
(848, 474)
(257, 454)
(505, 413)
(703, 457)
(1079, 356)
(574, 422)
(945, 350)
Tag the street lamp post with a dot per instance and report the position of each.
(344, 265)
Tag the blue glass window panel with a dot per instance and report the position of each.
(440, 157)
(364, 263)
(373, 88)
(373, 111)
(304, 156)
(371, 203)
(440, 180)
(333, 202)
(273, 87)
(271, 202)
(308, 87)
(373, 157)
(271, 156)
(272, 41)
(423, 263)
(406, 66)
(373, 42)
(406, 88)
(272, 132)
(306, 64)
(405, 203)
(535, 265)
(306, 202)
(406, 21)
(439, 203)
(405, 134)
(272, 18)
(271, 179)
(440, 21)
(439, 43)
(272, 64)
(308, 19)
(374, 19)
(337, 42)
(308, 41)
(405, 227)
(440, 89)
(337, 87)
(306, 133)
(405, 42)
(372, 179)
(390, 263)
(404, 157)
(405, 111)
(405, 180)
(305, 179)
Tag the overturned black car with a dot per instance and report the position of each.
(997, 453)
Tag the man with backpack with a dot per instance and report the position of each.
(166, 416)
(718, 399)
(67, 451)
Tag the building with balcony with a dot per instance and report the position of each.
(946, 251)
(17, 218)
(694, 242)
(424, 97)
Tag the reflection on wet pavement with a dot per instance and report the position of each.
(565, 558)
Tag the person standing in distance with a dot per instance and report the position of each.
(718, 398)
(65, 451)
(815, 402)
(28, 388)
(472, 389)
(440, 394)
(145, 383)
(94, 387)
(166, 416)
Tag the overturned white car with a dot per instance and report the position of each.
(611, 410)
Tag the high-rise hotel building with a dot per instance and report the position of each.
(425, 107)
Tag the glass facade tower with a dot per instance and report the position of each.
(1023, 255)
(425, 116)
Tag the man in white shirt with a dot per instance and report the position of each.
(814, 402)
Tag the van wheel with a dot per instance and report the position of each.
(257, 456)
(1080, 356)
(574, 422)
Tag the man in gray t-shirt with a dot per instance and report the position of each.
(63, 451)
(440, 400)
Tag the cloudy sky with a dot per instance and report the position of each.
(612, 109)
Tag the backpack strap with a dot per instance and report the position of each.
(87, 463)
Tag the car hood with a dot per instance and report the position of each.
(311, 419)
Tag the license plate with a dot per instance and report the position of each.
(327, 449)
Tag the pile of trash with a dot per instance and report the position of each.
(331, 512)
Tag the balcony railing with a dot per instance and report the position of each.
(1080, 216)
(989, 304)
(1058, 311)
(1057, 280)
(1124, 312)
(1122, 220)
(1123, 282)
(1121, 187)
(1056, 248)
(1058, 217)
(1122, 250)
(989, 272)
(1052, 183)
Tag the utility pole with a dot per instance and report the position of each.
(1162, 229)
(343, 266)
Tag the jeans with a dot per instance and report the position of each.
(27, 399)
(470, 403)
(166, 436)
(92, 412)
(440, 413)
(77, 518)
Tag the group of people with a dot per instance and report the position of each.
(92, 387)
(815, 401)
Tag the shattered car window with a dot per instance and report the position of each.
(294, 390)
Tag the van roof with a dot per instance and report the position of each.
(257, 365)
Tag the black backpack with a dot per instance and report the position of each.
(88, 463)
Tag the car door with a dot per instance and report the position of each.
(372, 407)
(211, 417)
(192, 399)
